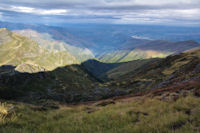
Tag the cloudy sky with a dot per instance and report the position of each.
(170, 12)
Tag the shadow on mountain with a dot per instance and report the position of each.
(79, 83)
(167, 46)
(73, 83)
(99, 69)
(59, 84)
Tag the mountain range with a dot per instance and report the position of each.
(100, 39)
(56, 73)
(53, 81)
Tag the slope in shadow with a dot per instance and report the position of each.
(75, 83)
(71, 83)
(58, 84)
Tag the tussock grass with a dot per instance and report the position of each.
(3, 109)
(7, 114)
(136, 116)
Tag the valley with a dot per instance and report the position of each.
(61, 84)
(103, 66)
(60, 76)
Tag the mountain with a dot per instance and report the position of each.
(111, 71)
(172, 104)
(173, 71)
(46, 86)
(20, 51)
(104, 38)
(28, 70)
(146, 95)
(99, 69)
(48, 42)
(146, 49)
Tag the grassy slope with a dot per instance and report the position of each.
(128, 67)
(67, 84)
(99, 69)
(136, 115)
(172, 69)
(136, 54)
(46, 41)
(149, 49)
(21, 50)
(111, 71)
(62, 77)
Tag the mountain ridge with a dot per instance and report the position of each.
(48, 42)
(149, 49)
(20, 49)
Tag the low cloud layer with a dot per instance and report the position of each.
(171, 12)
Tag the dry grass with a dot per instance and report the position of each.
(7, 113)
(127, 115)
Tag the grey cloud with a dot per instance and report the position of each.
(110, 11)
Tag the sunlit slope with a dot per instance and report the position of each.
(29, 71)
(17, 50)
(147, 50)
(47, 41)
(175, 69)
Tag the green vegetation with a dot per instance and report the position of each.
(46, 41)
(148, 49)
(112, 71)
(154, 95)
(100, 69)
(65, 84)
(21, 50)
(133, 115)
(28, 70)
(136, 54)
(162, 72)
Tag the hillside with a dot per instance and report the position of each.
(99, 69)
(18, 50)
(146, 49)
(64, 79)
(47, 91)
(28, 70)
(111, 71)
(173, 70)
(164, 111)
(49, 42)
(104, 38)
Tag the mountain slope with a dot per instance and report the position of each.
(175, 69)
(112, 71)
(99, 69)
(28, 71)
(148, 49)
(48, 42)
(100, 38)
(21, 50)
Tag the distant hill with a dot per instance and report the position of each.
(104, 38)
(146, 49)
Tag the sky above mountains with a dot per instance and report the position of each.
(168, 12)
